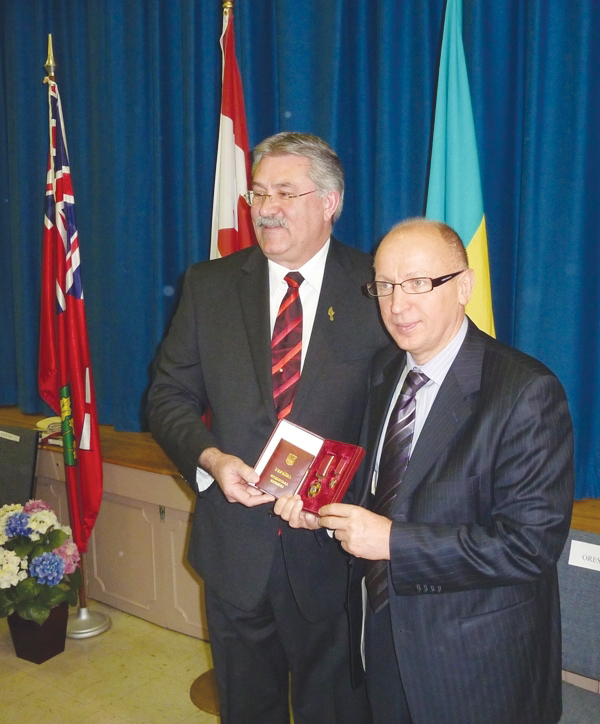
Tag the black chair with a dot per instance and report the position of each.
(580, 609)
(18, 456)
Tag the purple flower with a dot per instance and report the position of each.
(17, 524)
(47, 568)
(34, 505)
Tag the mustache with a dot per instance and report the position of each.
(271, 222)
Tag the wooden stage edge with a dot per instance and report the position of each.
(139, 450)
(130, 449)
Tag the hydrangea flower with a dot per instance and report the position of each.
(40, 522)
(10, 508)
(34, 505)
(5, 513)
(17, 524)
(20, 527)
(12, 568)
(47, 568)
(69, 552)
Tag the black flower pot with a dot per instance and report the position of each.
(38, 643)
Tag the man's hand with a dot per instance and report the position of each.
(361, 532)
(233, 475)
(289, 507)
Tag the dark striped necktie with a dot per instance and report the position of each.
(392, 466)
(286, 347)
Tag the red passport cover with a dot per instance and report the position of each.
(319, 479)
(285, 469)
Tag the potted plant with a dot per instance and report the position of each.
(39, 578)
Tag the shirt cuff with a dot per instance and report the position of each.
(203, 480)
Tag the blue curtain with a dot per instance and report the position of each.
(140, 84)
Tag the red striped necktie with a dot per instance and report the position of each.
(286, 347)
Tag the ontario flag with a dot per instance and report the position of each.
(231, 223)
(65, 373)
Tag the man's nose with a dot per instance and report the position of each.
(400, 300)
(268, 203)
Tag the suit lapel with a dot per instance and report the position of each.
(380, 394)
(328, 334)
(450, 411)
(253, 291)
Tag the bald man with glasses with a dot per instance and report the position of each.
(465, 504)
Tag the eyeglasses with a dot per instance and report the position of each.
(420, 285)
(280, 198)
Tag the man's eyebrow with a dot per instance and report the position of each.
(279, 185)
(410, 275)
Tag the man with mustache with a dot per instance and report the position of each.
(274, 595)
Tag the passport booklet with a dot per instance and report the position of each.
(295, 460)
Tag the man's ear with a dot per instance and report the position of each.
(465, 286)
(331, 201)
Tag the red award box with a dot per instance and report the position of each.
(295, 460)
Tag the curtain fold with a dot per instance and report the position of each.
(140, 84)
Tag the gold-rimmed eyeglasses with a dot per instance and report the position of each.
(281, 198)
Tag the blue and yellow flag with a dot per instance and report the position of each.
(454, 191)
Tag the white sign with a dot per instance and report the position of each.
(585, 555)
(9, 436)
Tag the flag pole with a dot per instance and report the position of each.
(85, 623)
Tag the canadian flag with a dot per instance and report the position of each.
(231, 223)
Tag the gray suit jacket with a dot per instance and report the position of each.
(217, 354)
(479, 523)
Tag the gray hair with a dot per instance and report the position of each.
(325, 170)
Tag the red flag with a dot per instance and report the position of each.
(65, 373)
(231, 223)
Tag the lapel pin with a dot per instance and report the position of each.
(330, 312)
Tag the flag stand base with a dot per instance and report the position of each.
(87, 623)
(203, 693)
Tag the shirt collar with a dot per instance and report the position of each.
(312, 271)
(437, 367)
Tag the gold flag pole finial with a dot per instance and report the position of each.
(50, 62)
(227, 6)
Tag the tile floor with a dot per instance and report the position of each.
(134, 672)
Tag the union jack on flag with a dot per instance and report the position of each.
(65, 373)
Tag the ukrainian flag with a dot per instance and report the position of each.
(454, 191)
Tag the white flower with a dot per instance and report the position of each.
(40, 522)
(12, 568)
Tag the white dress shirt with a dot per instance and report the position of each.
(436, 369)
(313, 272)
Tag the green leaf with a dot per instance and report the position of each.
(34, 611)
(56, 538)
(38, 549)
(22, 546)
(52, 595)
(72, 597)
(27, 589)
(75, 580)
(9, 595)
(6, 608)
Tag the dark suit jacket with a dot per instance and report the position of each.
(217, 353)
(479, 523)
